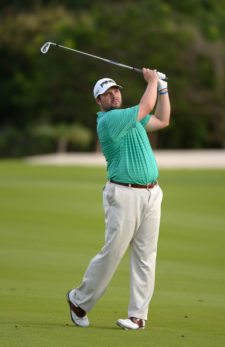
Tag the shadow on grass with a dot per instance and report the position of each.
(43, 325)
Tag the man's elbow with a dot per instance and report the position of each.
(165, 123)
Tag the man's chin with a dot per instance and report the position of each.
(113, 107)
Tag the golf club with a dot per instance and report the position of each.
(46, 46)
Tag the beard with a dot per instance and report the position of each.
(111, 107)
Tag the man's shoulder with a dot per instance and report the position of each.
(117, 111)
(105, 116)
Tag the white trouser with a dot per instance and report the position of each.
(132, 217)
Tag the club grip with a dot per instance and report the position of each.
(161, 75)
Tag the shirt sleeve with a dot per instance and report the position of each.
(119, 121)
(145, 120)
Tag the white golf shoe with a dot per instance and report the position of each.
(77, 314)
(131, 323)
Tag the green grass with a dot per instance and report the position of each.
(51, 225)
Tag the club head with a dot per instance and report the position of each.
(45, 47)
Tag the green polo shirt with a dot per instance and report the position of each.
(126, 147)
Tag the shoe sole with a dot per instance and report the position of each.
(121, 326)
(125, 328)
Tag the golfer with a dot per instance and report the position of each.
(131, 198)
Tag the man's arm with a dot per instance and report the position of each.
(161, 117)
(148, 100)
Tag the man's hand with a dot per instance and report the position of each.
(150, 75)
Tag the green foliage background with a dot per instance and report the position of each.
(183, 39)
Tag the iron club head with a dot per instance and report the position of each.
(46, 46)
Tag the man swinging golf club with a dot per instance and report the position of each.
(131, 198)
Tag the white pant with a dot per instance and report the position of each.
(132, 217)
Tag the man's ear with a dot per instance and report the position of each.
(98, 100)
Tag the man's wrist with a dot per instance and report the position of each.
(163, 91)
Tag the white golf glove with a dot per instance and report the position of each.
(161, 75)
(162, 85)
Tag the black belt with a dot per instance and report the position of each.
(133, 185)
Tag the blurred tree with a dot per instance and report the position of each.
(16, 5)
(184, 39)
(75, 135)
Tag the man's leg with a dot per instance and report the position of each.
(143, 257)
(120, 217)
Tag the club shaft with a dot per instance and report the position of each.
(46, 46)
(100, 58)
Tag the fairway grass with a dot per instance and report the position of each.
(52, 224)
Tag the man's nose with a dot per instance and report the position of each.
(112, 93)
